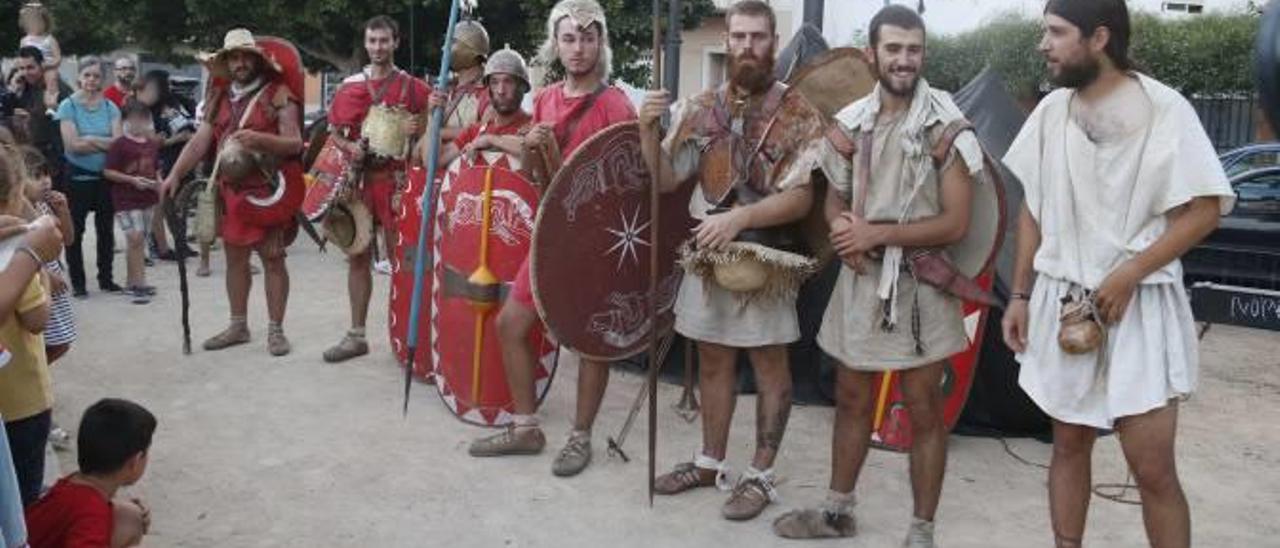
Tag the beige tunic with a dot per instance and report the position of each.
(904, 187)
(705, 311)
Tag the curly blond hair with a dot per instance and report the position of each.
(585, 13)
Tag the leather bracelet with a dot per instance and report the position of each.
(1018, 296)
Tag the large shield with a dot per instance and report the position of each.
(481, 236)
(894, 432)
(833, 79)
(408, 218)
(830, 80)
(591, 246)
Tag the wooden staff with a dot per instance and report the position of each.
(654, 217)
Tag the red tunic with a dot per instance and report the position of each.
(351, 105)
(551, 106)
(490, 128)
(247, 224)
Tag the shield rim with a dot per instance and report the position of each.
(664, 328)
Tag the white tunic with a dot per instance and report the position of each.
(1099, 204)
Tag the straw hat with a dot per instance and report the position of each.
(237, 40)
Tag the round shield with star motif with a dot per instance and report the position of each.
(591, 246)
(481, 235)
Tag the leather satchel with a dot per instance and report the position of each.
(930, 266)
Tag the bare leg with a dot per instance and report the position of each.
(717, 382)
(922, 389)
(205, 251)
(773, 404)
(239, 281)
(514, 322)
(277, 286)
(135, 253)
(593, 379)
(1147, 441)
(851, 434)
(359, 288)
(1070, 477)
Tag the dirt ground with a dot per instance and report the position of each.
(259, 451)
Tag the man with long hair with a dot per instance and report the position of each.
(1120, 182)
(568, 113)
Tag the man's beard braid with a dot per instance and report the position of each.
(754, 75)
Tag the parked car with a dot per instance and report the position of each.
(1250, 157)
(1245, 249)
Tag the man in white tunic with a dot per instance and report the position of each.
(1120, 181)
(902, 170)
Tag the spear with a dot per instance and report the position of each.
(654, 174)
(420, 257)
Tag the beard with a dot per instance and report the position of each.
(750, 73)
(896, 88)
(1076, 75)
(504, 107)
(244, 76)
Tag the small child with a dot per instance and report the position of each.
(26, 400)
(133, 165)
(113, 447)
(37, 22)
(61, 331)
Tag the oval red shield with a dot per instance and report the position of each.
(957, 378)
(591, 246)
(408, 217)
(467, 241)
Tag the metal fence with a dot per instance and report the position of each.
(1230, 120)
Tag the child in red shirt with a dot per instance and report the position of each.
(133, 164)
(80, 511)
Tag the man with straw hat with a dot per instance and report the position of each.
(253, 120)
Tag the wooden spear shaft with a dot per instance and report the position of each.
(654, 217)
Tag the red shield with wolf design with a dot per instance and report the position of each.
(482, 232)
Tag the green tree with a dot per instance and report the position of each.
(328, 32)
(1207, 54)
